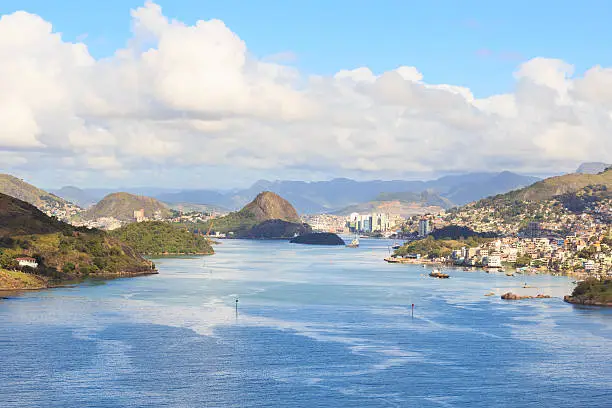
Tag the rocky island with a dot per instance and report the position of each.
(318, 238)
(592, 292)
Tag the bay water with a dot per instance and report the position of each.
(313, 327)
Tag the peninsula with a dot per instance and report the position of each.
(38, 251)
(592, 292)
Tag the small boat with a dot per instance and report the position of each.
(509, 274)
(395, 245)
(490, 294)
(437, 274)
(354, 243)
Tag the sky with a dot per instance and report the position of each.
(218, 94)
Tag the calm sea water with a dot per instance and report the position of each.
(316, 327)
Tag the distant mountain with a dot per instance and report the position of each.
(471, 187)
(18, 188)
(77, 196)
(404, 204)
(555, 186)
(187, 207)
(424, 198)
(123, 205)
(336, 194)
(592, 167)
(267, 216)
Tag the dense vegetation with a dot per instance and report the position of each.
(436, 248)
(592, 292)
(64, 255)
(156, 238)
(456, 232)
(62, 251)
(236, 222)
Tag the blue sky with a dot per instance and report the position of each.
(477, 44)
(472, 44)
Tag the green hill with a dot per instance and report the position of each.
(18, 188)
(123, 205)
(62, 251)
(158, 238)
(592, 292)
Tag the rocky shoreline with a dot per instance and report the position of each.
(31, 282)
(577, 300)
(514, 296)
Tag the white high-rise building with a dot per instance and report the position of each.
(424, 228)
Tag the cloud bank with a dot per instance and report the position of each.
(184, 96)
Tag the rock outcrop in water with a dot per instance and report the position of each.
(514, 296)
(318, 238)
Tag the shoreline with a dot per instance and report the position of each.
(585, 302)
(65, 283)
(579, 275)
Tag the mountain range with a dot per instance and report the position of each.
(337, 194)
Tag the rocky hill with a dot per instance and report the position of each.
(271, 206)
(268, 216)
(122, 206)
(62, 251)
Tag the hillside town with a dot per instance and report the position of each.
(543, 236)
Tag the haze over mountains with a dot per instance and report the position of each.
(333, 195)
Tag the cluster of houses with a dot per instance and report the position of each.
(555, 254)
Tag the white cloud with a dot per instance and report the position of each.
(191, 96)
